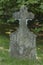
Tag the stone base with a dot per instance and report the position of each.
(21, 51)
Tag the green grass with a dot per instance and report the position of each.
(5, 58)
(4, 41)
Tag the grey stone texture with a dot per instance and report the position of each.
(23, 41)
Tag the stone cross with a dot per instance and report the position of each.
(23, 14)
(23, 41)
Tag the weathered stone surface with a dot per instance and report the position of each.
(23, 41)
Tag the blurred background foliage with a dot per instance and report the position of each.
(8, 7)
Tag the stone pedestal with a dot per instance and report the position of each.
(23, 45)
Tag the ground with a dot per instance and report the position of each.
(5, 58)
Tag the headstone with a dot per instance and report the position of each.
(23, 41)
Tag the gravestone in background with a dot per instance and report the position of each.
(23, 41)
